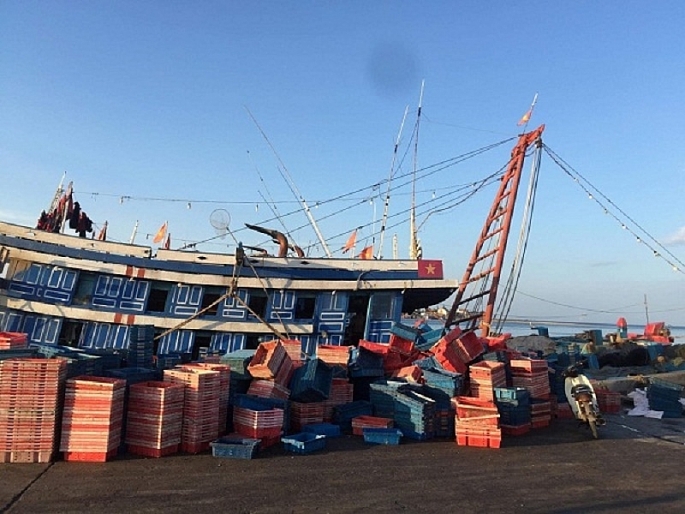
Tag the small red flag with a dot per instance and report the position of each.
(525, 118)
(350, 242)
(159, 237)
(430, 269)
(366, 253)
(167, 243)
(102, 235)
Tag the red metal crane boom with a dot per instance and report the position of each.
(495, 233)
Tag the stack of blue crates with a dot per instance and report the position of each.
(311, 382)
(383, 393)
(415, 415)
(365, 363)
(513, 405)
(412, 411)
(343, 414)
(140, 346)
(442, 385)
(664, 396)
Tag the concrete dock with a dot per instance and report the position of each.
(635, 466)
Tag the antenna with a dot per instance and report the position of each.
(133, 234)
(293, 188)
(387, 192)
(413, 243)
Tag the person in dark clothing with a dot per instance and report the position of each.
(84, 224)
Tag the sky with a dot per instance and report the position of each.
(170, 111)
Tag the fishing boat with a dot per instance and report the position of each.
(62, 289)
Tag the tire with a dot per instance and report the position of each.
(590, 417)
(593, 427)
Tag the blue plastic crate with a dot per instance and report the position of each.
(512, 395)
(405, 332)
(304, 442)
(232, 447)
(311, 382)
(665, 384)
(389, 436)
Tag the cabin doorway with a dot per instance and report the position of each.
(70, 334)
(357, 309)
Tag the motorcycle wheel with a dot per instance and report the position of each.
(589, 415)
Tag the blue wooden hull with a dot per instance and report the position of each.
(61, 289)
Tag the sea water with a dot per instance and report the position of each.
(568, 329)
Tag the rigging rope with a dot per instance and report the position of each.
(675, 263)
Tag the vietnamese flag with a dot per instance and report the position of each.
(430, 269)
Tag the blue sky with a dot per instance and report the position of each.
(145, 106)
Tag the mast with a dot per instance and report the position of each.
(293, 189)
(133, 234)
(384, 221)
(495, 232)
(413, 242)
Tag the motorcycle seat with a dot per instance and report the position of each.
(581, 389)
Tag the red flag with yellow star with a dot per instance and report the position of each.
(430, 269)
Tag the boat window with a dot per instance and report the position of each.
(84, 289)
(252, 342)
(257, 302)
(209, 296)
(381, 306)
(70, 334)
(304, 305)
(201, 345)
(159, 293)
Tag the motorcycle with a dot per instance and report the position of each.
(582, 399)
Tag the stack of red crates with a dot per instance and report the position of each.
(533, 375)
(30, 408)
(484, 376)
(266, 425)
(155, 418)
(342, 392)
(540, 413)
(608, 401)
(224, 389)
(293, 347)
(359, 423)
(477, 422)
(302, 414)
(92, 419)
(200, 406)
(13, 340)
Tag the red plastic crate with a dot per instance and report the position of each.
(515, 430)
(485, 370)
(608, 401)
(90, 456)
(402, 345)
(480, 438)
(155, 453)
(528, 365)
